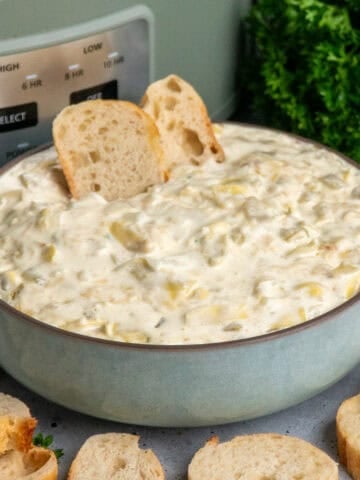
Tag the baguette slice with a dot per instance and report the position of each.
(261, 457)
(16, 424)
(36, 464)
(115, 456)
(108, 146)
(348, 435)
(183, 122)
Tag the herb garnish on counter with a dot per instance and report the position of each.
(40, 440)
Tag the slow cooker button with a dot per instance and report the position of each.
(105, 91)
(18, 116)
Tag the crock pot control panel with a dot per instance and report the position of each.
(36, 85)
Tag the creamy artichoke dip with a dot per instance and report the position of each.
(266, 240)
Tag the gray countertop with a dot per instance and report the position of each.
(313, 420)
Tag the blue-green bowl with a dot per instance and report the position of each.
(189, 385)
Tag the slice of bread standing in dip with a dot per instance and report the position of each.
(182, 119)
(111, 147)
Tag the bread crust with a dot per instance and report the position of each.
(36, 464)
(148, 457)
(154, 139)
(26, 429)
(16, 432)
(16, 424)
(47, 462)
(347, 433)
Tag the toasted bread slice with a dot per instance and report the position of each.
(16, 424)
(115, 456)
(36, 464)
(182, 119)
(348, 435)
(259, 457)
(108, 146)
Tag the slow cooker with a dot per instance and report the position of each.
(54, 53)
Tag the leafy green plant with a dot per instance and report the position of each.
(41, 441)
(303, 72)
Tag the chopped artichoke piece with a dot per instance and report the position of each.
(49, 253)
(254, 209)
(113, 331)
(215, 251)
(332, 181)
(109, 329)
(322, 269)
(344, 269)
(294, 234)
(215, 314)
(241, 312)
(139, 267)
(200, 293)
(355, 193)
(352, 287)
(304, 250)
(88, 326)
(10, 280)
(33, 275)
(205, 315)
(11, 197)
(351, 216)
(268, 288)
(47, 219)
(135, 336)
(289, 320)
(211, 196)
(11, 217)
(288, 209)
(25, 179)
(128, 237)
(232, 327)
(217, 228)
(321, 211)
(231, 188)
(314, 289)
(190, 192)
(214, 242)
(174, 289)
(83, 275)
(237, 235)
(302, 314)
(179, 290)
(285, 321)
(345, 175)
(42, 219)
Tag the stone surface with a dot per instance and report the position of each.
(313, 420)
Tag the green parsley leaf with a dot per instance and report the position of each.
(40, 440)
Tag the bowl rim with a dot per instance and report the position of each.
(270, 336)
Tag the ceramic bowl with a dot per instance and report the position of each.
(183, 386)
